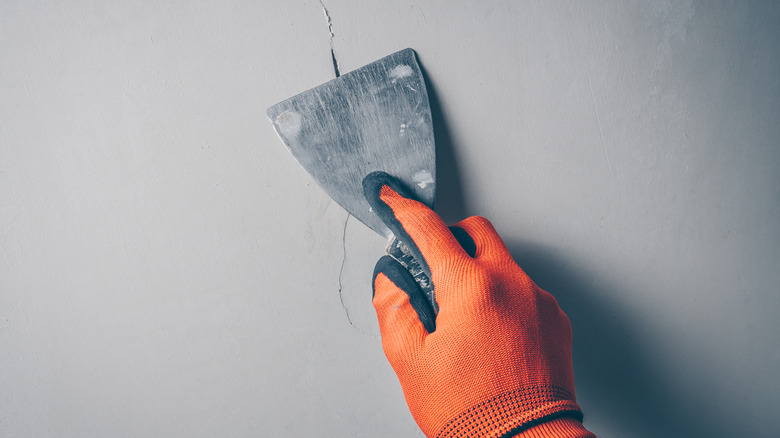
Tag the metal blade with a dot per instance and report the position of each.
(374, 118)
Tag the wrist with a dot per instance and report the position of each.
(564, 427)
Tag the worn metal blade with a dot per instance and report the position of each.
(377, 117)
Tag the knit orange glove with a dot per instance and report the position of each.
(498, 362)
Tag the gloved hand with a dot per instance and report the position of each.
(498, 362)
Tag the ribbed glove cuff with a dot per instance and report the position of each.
(513, 411)
(557, 428)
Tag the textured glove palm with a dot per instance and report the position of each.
(498, 362)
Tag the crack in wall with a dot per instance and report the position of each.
(337, 72)
(341, 273)
(332, 35)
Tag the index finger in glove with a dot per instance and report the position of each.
(416, 225)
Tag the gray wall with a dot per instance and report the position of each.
(167, 269)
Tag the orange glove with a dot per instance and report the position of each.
(498, 362)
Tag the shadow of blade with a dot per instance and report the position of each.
(449, 202)
(621, 375)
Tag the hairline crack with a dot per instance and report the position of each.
(332, 35)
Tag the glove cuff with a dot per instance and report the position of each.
(557, 428)
(519, 410)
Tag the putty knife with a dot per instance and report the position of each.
(375, 118)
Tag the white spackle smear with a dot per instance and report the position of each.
(400, 71)
(423, 178)
(289, 123)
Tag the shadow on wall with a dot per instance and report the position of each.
(449, 190)
(609, 360)
(613, 365)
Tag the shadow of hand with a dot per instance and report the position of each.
(620, 376)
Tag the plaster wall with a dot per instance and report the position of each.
(167, 268)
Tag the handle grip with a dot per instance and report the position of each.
(400, 253)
